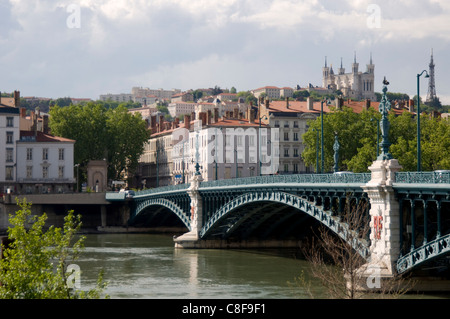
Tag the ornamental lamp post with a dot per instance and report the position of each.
(321, 125)
(419, 152)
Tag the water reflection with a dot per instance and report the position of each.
(148, 266)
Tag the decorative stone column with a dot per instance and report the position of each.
(190, 239)
(384, 217)
(384, 208)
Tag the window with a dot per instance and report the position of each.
(277, 123)
(9, 137)
(9, 122)
(286, 123)
(295, 152)
(295, 124)
(45, 154)
(29, 171)
(29, 154)
(286, 167)
(9, 155)
(286, 136)
(44, 171)
(9, 173)
(295, 168)
(239, 140)
(61, 172)
(286, 152)
(295, 136)
(61, 154)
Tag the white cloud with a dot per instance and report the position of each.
(189, 43)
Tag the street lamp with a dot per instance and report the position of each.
(378, 134)
(260, 163)
(419, 155)
(317, 150)
(321, 124)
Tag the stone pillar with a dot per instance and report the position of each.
(189, 239)
(384, 219)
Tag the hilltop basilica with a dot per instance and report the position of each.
(354, 85)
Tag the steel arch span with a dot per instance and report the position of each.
(174, 208)
(435, 249)
(305, 206)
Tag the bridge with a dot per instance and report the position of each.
(407, 213)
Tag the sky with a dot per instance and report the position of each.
(85, 48)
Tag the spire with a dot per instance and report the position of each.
(355, 58)
(325, 61)
(431, 96)
(341, 63)
(371, 58)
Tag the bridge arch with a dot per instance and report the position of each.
(323, 216)
(141, 206)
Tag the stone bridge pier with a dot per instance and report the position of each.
(384, 220)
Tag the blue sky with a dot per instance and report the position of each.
(84, 48)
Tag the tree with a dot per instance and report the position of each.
(357, 135)
(337, 264)
(100, 133)
(36, 263)
(127, 135)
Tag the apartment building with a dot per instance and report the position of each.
(31, 159)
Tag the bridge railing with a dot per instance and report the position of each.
(436, 177)
(360, 178)
(163, 189)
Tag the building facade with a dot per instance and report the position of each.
(32, 160)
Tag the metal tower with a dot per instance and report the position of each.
(431, 96)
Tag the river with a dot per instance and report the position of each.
(148, 266)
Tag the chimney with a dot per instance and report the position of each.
(208, 117)
(287, 102)
(216, 115)
(187, 122)
(193, 116)
(202, 117)
(251, 118)
(153, 123)
(411, 106)
(267, 102)
(23, 112)
(45, 124)
(17, 98)
(310, 104)
(161, 123)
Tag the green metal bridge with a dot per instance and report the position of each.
(286, 206)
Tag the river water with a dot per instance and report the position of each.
(148, 266)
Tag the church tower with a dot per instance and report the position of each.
(355, 66)
(431, 96)
(370, 66)
(325, 74)
(341, 70)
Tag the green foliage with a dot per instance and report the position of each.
(36, 262)
(357, 135)
(101, 133)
